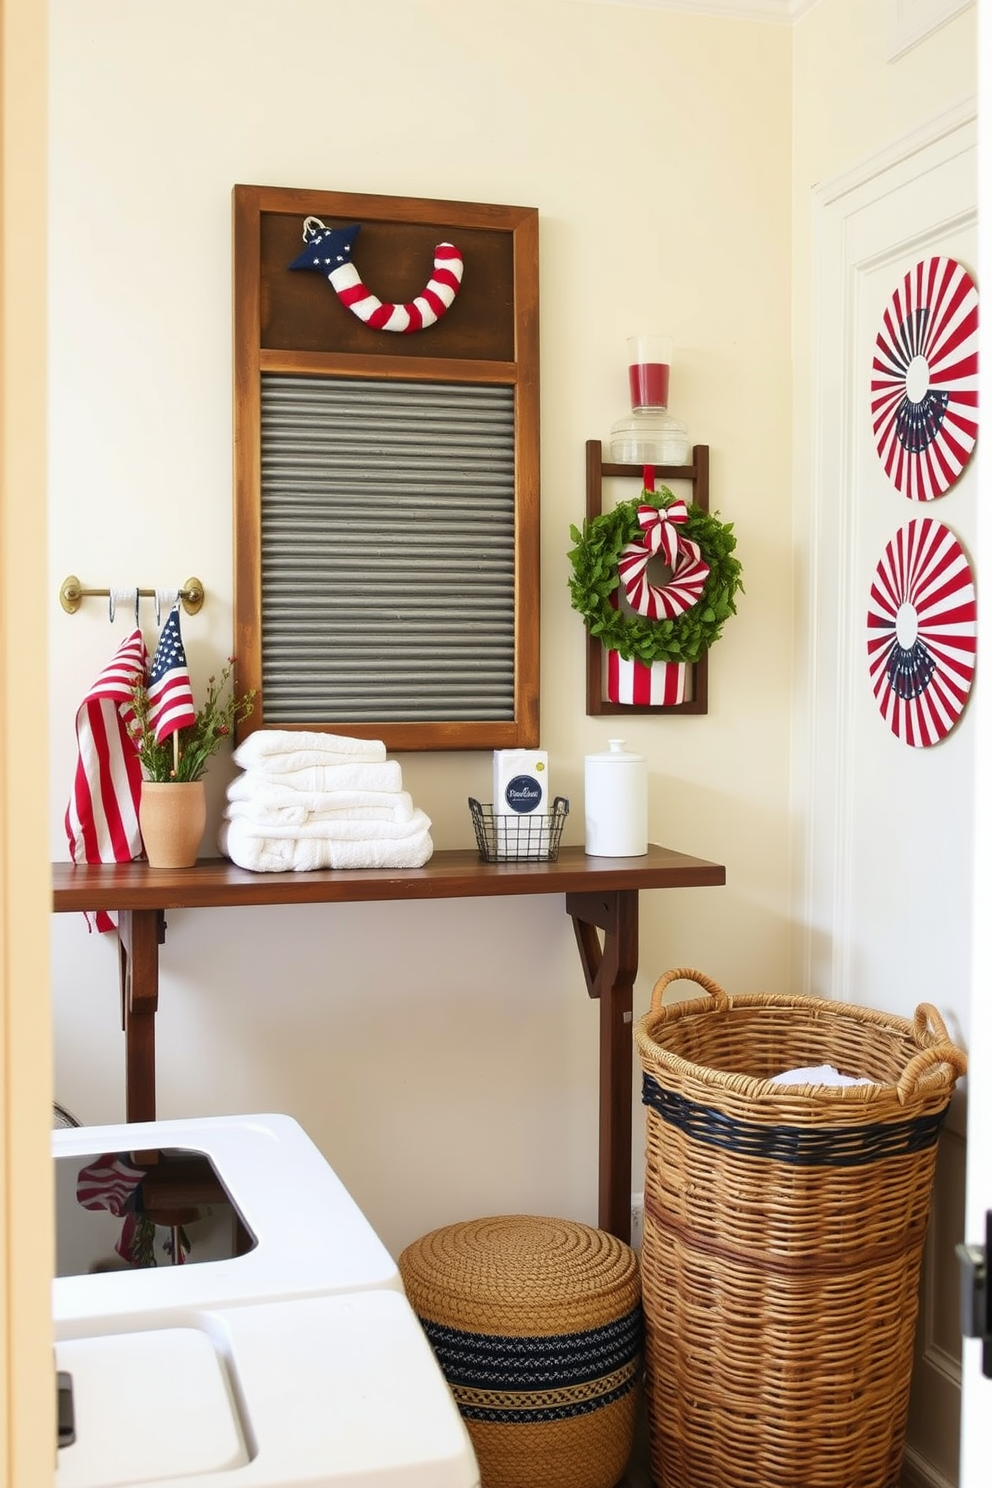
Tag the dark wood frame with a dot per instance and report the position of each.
(449, 356)
(698, 474)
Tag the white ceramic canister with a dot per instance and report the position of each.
(616, 803)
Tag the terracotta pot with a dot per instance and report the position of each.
(172, 816)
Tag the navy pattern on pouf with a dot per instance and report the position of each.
(536, 1324)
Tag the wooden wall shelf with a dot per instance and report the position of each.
(601, 898)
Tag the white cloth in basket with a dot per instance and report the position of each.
(818, 1074)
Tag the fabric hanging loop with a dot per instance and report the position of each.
(121, 595)
(165, 599)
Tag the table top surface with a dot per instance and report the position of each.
(450, 874)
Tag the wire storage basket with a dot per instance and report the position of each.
(515, 837)
(783, 1234)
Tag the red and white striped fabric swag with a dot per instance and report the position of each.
(108, 1182)
(101, 819)
(655, 683)
(415, 315)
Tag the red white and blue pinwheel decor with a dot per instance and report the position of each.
(924, 379)
(922, 632)
(328, 253)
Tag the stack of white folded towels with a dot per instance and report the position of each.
(307, 800)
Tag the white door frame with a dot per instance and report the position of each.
(976, 1392)
(27, 1381)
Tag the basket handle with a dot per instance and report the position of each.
(930, 1032)
(928, 1026)
(686, 974)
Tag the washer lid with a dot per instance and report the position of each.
(330, 1392)
(147, 1406)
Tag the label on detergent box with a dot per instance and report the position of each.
(523, 793)
(520, 781)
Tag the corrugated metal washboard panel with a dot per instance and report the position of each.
(387, 551)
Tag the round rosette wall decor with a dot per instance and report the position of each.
(922, 632)
(924, 379)
(654, 580)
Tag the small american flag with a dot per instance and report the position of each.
(170, 696)
(101, 819)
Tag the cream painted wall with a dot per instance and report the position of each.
(443, 1056)
(635, 134)
(656, 146)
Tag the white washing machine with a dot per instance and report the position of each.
(296, 1361)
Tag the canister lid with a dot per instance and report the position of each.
(617, 754)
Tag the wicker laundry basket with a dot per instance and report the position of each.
(536, 1324)
(783, 1233)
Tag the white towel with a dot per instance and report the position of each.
(304, 807)
(386, 775)
(817, 1074)
(254, 788)
(306, 855)
(270, 748)
(335, 829)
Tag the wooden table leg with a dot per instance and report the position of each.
(141, 933)
(610, 968)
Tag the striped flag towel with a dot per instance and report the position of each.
(101, 819)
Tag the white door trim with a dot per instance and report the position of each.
(910, 21)
(897, 152)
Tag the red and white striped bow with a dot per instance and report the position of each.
(684, 557)
(659, 526)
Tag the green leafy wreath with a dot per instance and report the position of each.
(595, 577)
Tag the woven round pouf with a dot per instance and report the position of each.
(536, 1324)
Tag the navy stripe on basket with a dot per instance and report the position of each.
(514, 1417)
(487, 1361)
(802, 1146)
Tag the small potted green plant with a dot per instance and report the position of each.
(174, 758)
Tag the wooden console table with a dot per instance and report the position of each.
(601, 896)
